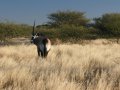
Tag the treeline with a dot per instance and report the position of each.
(12, 30)
(68, 25)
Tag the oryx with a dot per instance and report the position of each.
(42, 42)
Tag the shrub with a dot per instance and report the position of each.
(109, 24)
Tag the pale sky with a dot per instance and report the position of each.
(26, 11)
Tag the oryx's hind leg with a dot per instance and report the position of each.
(42, 54)
(45, 52)
(41, 50)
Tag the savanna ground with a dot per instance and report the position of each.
(68, 67)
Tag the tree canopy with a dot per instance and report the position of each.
(62, 18)
(109, 23)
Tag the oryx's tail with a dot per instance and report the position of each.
(47, 44)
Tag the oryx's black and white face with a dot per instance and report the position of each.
(34, 37)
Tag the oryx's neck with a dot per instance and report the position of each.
(41, 40)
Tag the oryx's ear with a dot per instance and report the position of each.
(33, 32)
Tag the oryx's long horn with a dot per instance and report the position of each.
(33, 32)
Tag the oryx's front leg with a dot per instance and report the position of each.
(41, 50)
(38, 50)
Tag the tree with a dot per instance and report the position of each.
(109, 23)
(62, 18)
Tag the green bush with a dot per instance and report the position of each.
(10, 30)
(109, 24)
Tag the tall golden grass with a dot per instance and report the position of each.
(67, 67)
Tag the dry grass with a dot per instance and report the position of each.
(67, 67)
